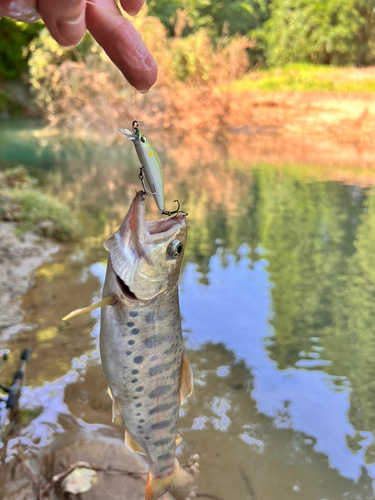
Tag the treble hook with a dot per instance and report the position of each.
(175, 212)
(140, 175)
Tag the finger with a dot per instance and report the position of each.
(65, 19)
(21, 10)
(132, 7)
(122, 43)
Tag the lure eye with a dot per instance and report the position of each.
(143, 139)
(175, 249)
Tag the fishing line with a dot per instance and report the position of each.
(117, 13)
(133, 97)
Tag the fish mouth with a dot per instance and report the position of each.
(137, 234)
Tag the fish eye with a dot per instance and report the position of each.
(175, 249)
(143, 139)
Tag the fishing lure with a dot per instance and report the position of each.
(150, 168)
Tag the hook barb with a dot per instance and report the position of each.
(175, 212)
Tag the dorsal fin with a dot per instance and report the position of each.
(186, 387)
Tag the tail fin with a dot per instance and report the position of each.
(181, 480)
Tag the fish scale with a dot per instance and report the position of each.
(147, 342)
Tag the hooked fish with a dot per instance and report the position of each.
(150, 163)
(141, 345)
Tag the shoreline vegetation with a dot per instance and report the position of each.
(29, 208)
(212, 79)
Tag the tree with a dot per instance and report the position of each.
(238, 16)
(328, 32)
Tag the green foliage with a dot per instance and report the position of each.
(45, 215)
(8, 106)
(316, 31)
(305, 77)
(22, 202)
(190, 56)
(15, 38)
(239, 16)
(16, 178)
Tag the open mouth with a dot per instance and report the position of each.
(125, 290)
(132, 248)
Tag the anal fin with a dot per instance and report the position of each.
(132, 444)
(107, 301)
(186, 387)
(178, 440)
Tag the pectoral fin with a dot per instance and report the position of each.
(178, 440)
(132, 444)
(108, 301)
(186, 387)
(116, 416)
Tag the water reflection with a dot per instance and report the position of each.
(277, 299)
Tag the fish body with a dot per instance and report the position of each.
(151, 165)
(141, 343)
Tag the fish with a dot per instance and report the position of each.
(141, 345)
(150, 162)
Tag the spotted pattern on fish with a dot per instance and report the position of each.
(161, 408)
(150, 413)
(161, 425)
(162, 442)
(164, 469)
(158, 369)
(159, 391)
(156, 340)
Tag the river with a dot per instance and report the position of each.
(277, 299)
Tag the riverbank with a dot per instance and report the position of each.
(121, 475)
(20, 257)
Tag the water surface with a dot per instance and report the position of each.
(277, 299)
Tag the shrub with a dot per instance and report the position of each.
(82, 87)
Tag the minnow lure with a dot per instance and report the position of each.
(150, 164)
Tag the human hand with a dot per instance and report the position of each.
(67, 21)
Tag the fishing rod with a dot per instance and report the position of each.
(14, 391)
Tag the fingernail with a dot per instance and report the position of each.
(74, 29)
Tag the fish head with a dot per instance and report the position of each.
(146, 256)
